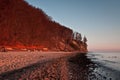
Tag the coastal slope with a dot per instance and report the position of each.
(24, 27)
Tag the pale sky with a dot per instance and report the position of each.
(98, 20)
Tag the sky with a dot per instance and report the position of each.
(98, 20)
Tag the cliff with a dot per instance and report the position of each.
(24, 27)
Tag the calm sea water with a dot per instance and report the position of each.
(108, 65)
(95, 66)
(110, 60)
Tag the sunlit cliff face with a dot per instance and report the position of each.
(24, 26)
(24, 48)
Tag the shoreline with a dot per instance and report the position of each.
(59, 66)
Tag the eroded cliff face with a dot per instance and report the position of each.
(23, 26)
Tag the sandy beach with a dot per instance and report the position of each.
(27, 65)
(16, 60)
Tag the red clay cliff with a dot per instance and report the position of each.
(24, 27)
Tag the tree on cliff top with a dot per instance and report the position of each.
(84, 39)
(77, 36)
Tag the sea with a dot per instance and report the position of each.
(95, 66)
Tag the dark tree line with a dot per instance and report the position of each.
(81, 41)
(78, 37)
